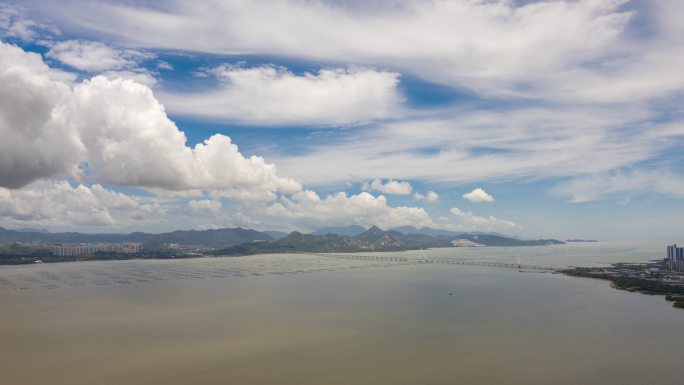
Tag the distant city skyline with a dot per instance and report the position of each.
(541, 119)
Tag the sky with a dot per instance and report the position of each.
(560, 119)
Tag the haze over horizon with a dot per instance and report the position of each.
(543, 119)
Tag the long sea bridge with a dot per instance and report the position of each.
(105, 273)
(444, 261)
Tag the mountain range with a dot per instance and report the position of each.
(235, 241)
(373, 239)
(213, 238)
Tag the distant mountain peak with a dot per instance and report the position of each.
(351, 231)
(376, 234)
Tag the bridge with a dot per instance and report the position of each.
(444, 261)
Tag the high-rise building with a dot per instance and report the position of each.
(675, 258)
(67, 250)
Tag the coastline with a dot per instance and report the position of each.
(645, 279)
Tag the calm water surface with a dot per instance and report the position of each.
(297, 319)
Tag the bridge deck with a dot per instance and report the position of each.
(445, 261)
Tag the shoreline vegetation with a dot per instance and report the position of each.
(648, 278)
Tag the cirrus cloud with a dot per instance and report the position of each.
(593, 187)
(274, 95)
(471, 222)
(480, 45)
(13, 24)
(102, 59)
(93, 56)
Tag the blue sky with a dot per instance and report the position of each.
(560, 119)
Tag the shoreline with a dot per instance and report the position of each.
(639, 278)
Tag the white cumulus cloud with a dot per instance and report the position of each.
(212, 206)
(391, 187)
(478, 195)
(131, 141)
(429, 197)
(58, 204)
(35, 141)
(309, 210)
(114, 131)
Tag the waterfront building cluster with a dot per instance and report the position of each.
(68, 250)
(675, 258)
